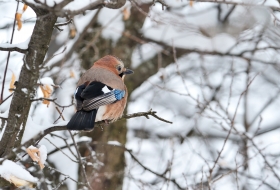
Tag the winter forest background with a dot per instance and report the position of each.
(211, 67)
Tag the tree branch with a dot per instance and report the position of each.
(60, 12)
(236, 3)
(13, 49)
(80, 160)
(8, 58)
(51, 100)
(63, 23)
(161, 175)
(35, 140)
(146, 114)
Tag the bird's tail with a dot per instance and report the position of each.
(82, 120)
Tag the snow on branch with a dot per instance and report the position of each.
(6, 47)
(20, 47)
(59, 8)
(15, 174)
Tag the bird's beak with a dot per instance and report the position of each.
(126, 72)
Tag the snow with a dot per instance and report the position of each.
(85, 139)
(43, 153)
(22, 45)
(10, 168)
(187, 143)
(143, 53)
(112, 23)
(5, 114)
(114, 143)
(223, 42)
(46, 80)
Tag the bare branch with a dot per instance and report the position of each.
(60, 12)
(13, 49)
(236, 3)
(61, 150)
(146, 114)
(39, 137)
(132, 156)
(8, 58)
(2, 101)
(80, 160)
(232, 124)
(52, 100)
(63, 23)
(161, 2)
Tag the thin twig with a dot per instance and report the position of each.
(64, 23)
(80, 160)
(8, 58)
(274, 8)
(131, 154)
(146, 114)
(61, 150)
(52, 100)
(1, 102)
(51, 168)
(60, 113)
(232, 125)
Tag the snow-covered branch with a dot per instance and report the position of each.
(60, 10)
(20, 47)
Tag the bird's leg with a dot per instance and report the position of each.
(106, 121)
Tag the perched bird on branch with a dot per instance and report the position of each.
(101, 94)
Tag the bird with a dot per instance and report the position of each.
(101, 94)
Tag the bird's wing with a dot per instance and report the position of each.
(86, 91)
(79, 99)
(93, 90)
(97, 94)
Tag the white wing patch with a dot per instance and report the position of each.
(105, 89)
(76, 91)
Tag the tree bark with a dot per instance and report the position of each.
(27, 84)
(110, 175)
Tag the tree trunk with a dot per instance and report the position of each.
(27, 84)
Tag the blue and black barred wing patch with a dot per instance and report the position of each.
(98, 101)
(97, 94)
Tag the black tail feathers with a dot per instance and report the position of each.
(82, 120)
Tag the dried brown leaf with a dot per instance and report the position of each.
(12, 83)
(126, 13)
(72, 74)
(24, 7)
(47, 91)
(20, 182)
(18, 19)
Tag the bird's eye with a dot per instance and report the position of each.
(119, 68)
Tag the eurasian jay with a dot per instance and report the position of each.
(101, 94)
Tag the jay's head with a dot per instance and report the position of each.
(113, 64)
